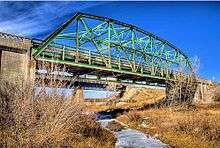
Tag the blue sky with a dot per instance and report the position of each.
(193, 27)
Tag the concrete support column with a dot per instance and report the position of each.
(200, 95)
(78, 95)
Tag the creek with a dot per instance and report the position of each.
(127, 137)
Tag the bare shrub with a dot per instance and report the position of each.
(45, 119)
(182, 88)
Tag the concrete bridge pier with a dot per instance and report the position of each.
(202, 94)
(78, 93)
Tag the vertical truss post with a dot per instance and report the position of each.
(119, 63)
(142, 69)
(90, 61)
(52, 66)
(162, 71)
(168, 70)
(43, 55)
(161, 61)
(151, 51)
(134, 52)
(167, 67)
(77, 41)
(151, 44)
(109, 45)
(63, 53)
(53, 54)
(152, 66)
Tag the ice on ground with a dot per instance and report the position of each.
(130, 138)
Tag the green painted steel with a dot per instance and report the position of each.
(102, 43)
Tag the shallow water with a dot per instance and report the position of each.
(130, 138)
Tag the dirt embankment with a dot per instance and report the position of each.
(133, 98)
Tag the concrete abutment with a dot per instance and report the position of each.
(16, 64)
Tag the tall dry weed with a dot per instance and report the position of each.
(45, 119)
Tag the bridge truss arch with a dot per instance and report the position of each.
(110, 46)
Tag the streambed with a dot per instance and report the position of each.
(130, 138)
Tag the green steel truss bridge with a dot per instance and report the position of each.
(92, 45)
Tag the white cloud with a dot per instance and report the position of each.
(32, 19)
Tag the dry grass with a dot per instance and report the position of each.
(133, 116)
(180, 126)
(46, 120)
(115, 126)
